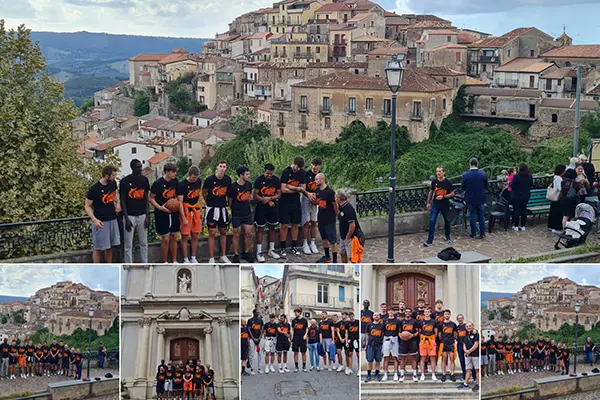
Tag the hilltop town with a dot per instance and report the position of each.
(61, 308)
(308, 68)
(547, 303)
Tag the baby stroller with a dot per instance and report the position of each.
(576, 231)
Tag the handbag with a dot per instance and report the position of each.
(552, 193)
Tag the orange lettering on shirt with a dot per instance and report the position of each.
(136, 194)
(294, 183)
(448, 329)
(219, 191)
(268, 191)
(109, 197)
(376, 332)
(193, 194)
(168, 193)
(243, 196)
(322, 204)
(312, 186)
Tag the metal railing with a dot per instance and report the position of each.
(507, 82)
(323, 300)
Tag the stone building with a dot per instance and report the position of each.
(179, 313)
(447, 55)
(67, 322)
(569, 56)
(248, 291)
(522, 73)
(554, 317)
(496, 304)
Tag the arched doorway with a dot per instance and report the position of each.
(357, 122)
(184, 349)
(408, 288)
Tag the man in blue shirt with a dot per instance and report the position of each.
(474, 185)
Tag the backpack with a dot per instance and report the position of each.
(449, 254)
(572, 193)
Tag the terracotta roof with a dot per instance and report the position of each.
(396, 21)
(522, 64)
(466, 38)
(499, 41)
(181, 127)
(260, 35)
(449, 46)
(154, 123)
(111, 89)
(443, 32)
(109, 145)
(370, 38)
(441, 71)
(568, 103)
(474, 82)
(559, 73)
(390, 14)
(498, 299)
(361, 5)
(180, 50)
(432, 24)
(162, 141)
(414, 81)
(266, 105)
(359, 17)
(148, 57)
(208, 114)
(574, 51)
(595, 90)
(175, 57)
(145, 73)
(388, 51)
(158, 158)
(487, 91)
(332, 7)
(341, 27)
(339, 64)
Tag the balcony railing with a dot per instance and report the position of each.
(513, 83)
(303, 108)
(337, 52)
(313, 300)
(308, 55)
(281, 123)
(303, 125)
(325, 110)
(489, 59)
(262, 93)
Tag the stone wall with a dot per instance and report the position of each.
(122, 106)
(75, 390)
(554, 387)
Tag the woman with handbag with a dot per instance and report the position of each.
(553, 194)
(520, 193)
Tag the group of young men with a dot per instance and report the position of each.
(28, 360)
(189, 381)
(298, 199)
(528, 355)
(418, 338)
(331, 339)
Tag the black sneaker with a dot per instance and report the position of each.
(235, 259)
(463, 387)
(248, 257)
(443, 378)
(283, 252)
(427, 243)
(452, 378)
(295, 251)
(476, 388)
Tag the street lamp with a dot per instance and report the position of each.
(91, 313)
(577, 309)
(394, 73)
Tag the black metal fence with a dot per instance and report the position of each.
(35, 238)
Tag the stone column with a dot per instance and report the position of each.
(218, 281)
(125, 288)
(470, 307)
(147, 280)
(160, 346)
(476, 297)
(220, 345)
(208, 345)
(366, 278)
(451, 288)
(225, 341)
(142, 356)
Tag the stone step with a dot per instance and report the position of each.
(411, 385)
(414, 393)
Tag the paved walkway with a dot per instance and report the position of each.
(523, 379)
(38, 384)
(581, 396)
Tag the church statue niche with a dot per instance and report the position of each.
(184, 281)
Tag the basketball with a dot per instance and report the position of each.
(405, 335)
(172, 205)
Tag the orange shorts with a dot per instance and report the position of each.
(188, 386)
(356, 250)
(22, 361)
(194, 218)
(427, 347)
(508, 356)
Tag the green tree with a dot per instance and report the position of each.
(590, 123)
(4, 319)
(183, 165)
(244, 118)
(491, 315)
(87, 104)
(42, 178)
(141, 105)
(505, 313)
(18, 317)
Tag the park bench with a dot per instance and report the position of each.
(468, 257)
(538, 204)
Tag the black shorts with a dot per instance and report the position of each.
(290, 212)
(239, 220)
(12, 361)
(30, 359)
(166, 224)
(339, 345)
(540, 356)
(221, 222)
(448, 347)
(244, 353)
(552, 359)
(526, 355)
(65, 362)
(263, 215)
(517, 356)
(328, 232)
(350, 347)
(160, 387)
(282, 345)
(299, 346)
(499, 357)
(408, 347)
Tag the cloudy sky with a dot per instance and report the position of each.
(272, 270)
(511, 278)
(24, 281)
(203, 18)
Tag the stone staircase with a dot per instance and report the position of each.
(426, 390)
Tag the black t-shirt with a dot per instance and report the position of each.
(518, 347)
(325, 328)
(209, 378)
(255, 325)
(540, 344)
(428, 327)
(217, 190)
(375, 332)
(300, 325)
(441, 188)
(30, 350)
(509, 346)
(311, 186)
(553, 350)
(438, 316)
(190, 191)
(313, 334)
(419, 315)
(390, 326)
(270, 329)
(346, 215)
(325, 200)
(366, 316)
(353, 329)
(285, 328)
(244, 335)
(160, 377)
(526, 348)
(66, 353)
(409, 325)
(288, 176)
(447, 331)
(342, 328)
(4, 350)
(240, 199)
(133, 190)
(163, 190)
(484, 349)
(566, 353)
(470, 340)
(461, 331)
(103, 200)
(588, 346)
(267, 187)
(491, 347)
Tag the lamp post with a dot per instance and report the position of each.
(394, 73)
(577, 309)
(91, 313)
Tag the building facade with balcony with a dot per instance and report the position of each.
(315, 288)
(249, 295)
(522, 73)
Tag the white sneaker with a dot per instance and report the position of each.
(259, 371)
(415, 378)
(515, 228)
(330, 368)
(252, 372)
(384, 377)
(519, 370)
(273, 255)
(286, 369)
(211, 261)
(224, 260)
(260, 258)
(185, 261)
(402, 378)
(556, 232)
(194, 260)
(422, 377)
(313, 248)
(349, 372)
(267, 369)
(340, 369)
(306, 249)
(280, 370)
(312, 367)
(433, 378)
(395, 377)
(272, 368)
(522, 229)
(318, 369)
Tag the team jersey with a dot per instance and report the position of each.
(428, 327)
(325, 328)
(391, 326)
(353, 329)
(270, 329)
(410, 325)
(447, 332)
(366, 316)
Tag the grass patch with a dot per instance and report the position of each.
(17, 395)
(586, 248)
(511, 389)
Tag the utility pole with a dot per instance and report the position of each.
(577, 113)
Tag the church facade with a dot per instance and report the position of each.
(178, 313)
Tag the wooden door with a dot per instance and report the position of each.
(409, 288)
(184, 349)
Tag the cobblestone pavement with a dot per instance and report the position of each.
(111, 397)
(581, 396)
(38, 384)
(523, 379)
(300, 385)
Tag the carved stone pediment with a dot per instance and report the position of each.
(184, 314)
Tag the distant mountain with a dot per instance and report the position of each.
(5, 299)
(485, 296)
(100, 58)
